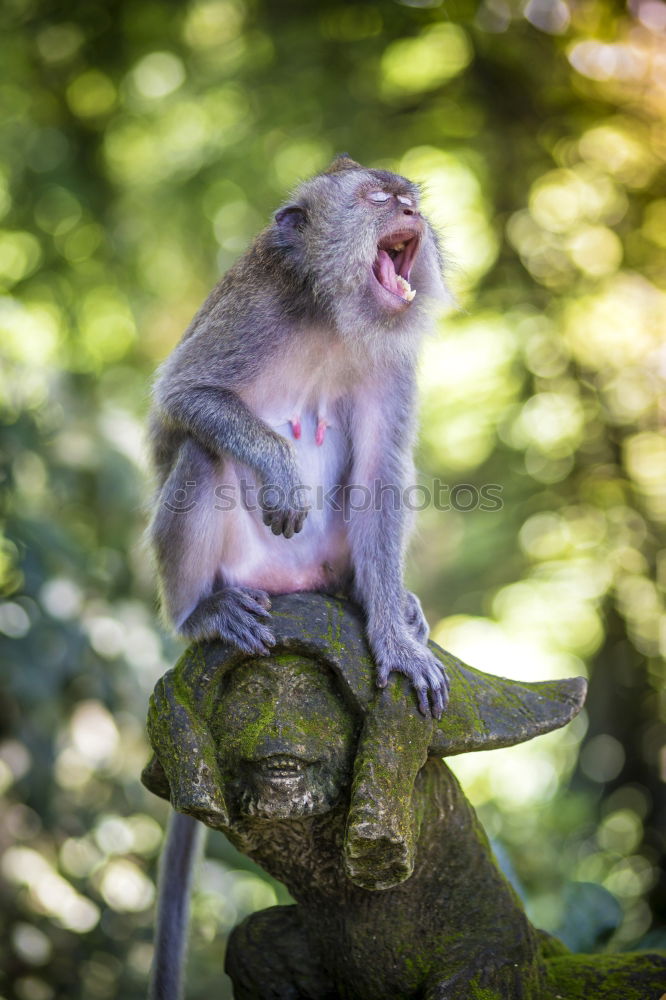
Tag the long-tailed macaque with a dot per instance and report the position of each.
(283, 424)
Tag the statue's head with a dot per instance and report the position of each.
(306, 729)
(284, 738)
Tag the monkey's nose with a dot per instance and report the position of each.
(409, 211)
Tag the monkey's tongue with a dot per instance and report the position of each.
(392, 282)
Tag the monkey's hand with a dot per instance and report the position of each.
(400, 652)
(283, 496)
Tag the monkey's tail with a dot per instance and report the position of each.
(184, 842)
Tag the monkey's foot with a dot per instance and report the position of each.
(414, 617)
(234, 614)
(405, 655)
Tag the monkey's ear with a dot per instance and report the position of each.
(290, 218)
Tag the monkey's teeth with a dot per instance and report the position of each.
(399, 246)
(404, 288)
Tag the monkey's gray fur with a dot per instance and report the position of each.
(298, 371)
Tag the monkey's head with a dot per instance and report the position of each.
(369, 257)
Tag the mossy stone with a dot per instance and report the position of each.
(339, 790)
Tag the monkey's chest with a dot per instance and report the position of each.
(318, 557)
(321, 448)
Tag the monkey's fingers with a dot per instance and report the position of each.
(300, 520)
(257, 602)
(296, 522)
(288, 527)
(233, 614)
(284, 522)
(269, 517)
(274, 519)
(280, 525)
(422, 698)
(250, 635)
(430, 683)
(383, 672)
(437, 685)
(421, 689)
(439, 697)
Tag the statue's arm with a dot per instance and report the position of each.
(183, 744)
(383, 826)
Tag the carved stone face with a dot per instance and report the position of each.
(285, 738)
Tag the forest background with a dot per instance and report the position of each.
(144, 143)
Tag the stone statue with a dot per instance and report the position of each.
(339, 790)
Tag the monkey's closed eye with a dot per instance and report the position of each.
(379, 197)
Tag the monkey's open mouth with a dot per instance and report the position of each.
(393, 263)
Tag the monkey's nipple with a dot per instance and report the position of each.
(320, 432)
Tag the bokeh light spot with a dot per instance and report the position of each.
(91, 94)
(20, 253)
(412, 65)
(596, 250)
(211, 23)
(602, 758)
(93, 732)
(158, 74)
(125, 887)
(30, 944)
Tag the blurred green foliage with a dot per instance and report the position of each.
(143, 144)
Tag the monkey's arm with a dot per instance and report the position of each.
(219, 419)
(381, 463)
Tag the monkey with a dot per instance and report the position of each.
(283, 423)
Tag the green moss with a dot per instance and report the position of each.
(417, 969)
(252, 732)
(336, 614)
(606, 977)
